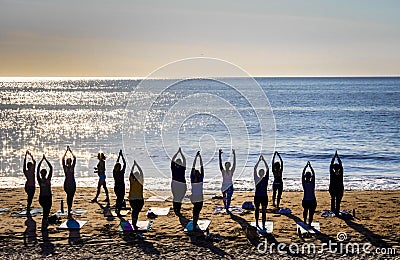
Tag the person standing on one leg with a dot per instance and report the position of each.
(277, 186)
(309, 200)
(261, 196)
(101, 172)
(178, 183)
(45, 196)
(336, 187)
(196, 179)
(119, 182)
(29, 172)
(69, 182)
(227, 182)
(136, 193)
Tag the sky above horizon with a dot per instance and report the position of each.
(133, 38)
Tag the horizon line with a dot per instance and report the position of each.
(14, 78)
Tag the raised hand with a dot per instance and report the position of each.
(233, 150)
(220, 151)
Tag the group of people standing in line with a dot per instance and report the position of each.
(178, 184)
(44, 180)
(261, 177)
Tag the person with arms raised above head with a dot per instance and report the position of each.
(261, 196)
(309, 202)
(119, 182)
(277, 185)
(101, 172)
(69, 182)
(196, 180)
(136, 193)
(178, 183)
(336, 187)
(29, 172)
(45, 196)
(227, 179)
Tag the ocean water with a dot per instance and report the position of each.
(305, 119)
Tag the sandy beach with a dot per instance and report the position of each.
(376, 223)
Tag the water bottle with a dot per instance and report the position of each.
(20, 205)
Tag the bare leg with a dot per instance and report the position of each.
(177, 208)
(224, 199)
(312, 211)
(196, 213)
(338, 200)
(333, 209)
(256, 211)
(274, 195)
(98, 191)
(70, 198)
(264, 215)
(106, 191)
(280, 189)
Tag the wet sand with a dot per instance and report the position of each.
(377, 222)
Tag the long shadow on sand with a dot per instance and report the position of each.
(47, 248)
(30, 236)
(334, 245)
(147, 247)
(324, 238)
(106, 211)
(374, 239)
(197, 238)
(74, 236)
(251, 233)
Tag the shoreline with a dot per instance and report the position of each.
(377, 223)
(354, 183)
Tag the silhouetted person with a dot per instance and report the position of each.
(336, 187)
(45, 196)
(178, 183)
(136, 193)
(69, 182)
(119, 182)
(101, 172)
(227, 182)
(29, 172)
(309, 200)
(277, 185)
(261, 196)
(196, 180)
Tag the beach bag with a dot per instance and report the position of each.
(248, 205)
